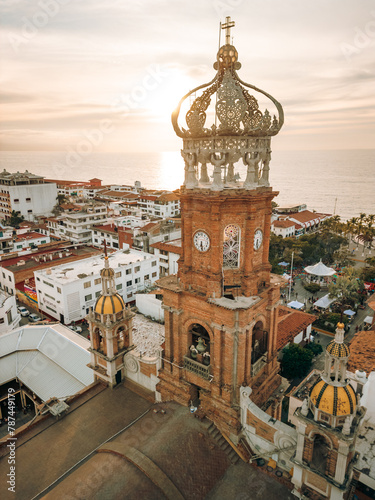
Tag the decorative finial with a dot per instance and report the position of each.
(227, 26)
(105, 248)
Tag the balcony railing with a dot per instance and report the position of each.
(258, 365)
(198, 368)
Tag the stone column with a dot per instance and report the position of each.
(204, 179)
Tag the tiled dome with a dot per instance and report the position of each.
(109, 304)
(340, 350)
(333, 400)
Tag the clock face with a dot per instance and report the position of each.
(201, 241)
(258, 238)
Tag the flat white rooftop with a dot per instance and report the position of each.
(51, 360)
(74, 271)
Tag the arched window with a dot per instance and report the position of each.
(231, 246)
(122, 337)
(320, 453)
(198, 331)
(259, 342)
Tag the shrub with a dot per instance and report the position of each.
(312, 287)
(315, 348)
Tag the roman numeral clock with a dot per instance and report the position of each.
(220, 309)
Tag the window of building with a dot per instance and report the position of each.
(137, 269)
(231, 246)
(29, 211)
(97, 294)
(87, 284)
(28, 200)
(128, 271)
(147, 276)
(118, 287)
(58, 289)
(154, 275)
(9, 316)
(49, 284)
(97, 281)
(1, 321)
(137, 280)
(118, 274)
(129, 283)
(88, 297)
(16, 200)
(49, 296)
(153, 264)
(129, 296)
(50, 308)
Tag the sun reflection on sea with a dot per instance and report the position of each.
(172, 170)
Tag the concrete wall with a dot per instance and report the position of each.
(265, 435)
(42, 199)
(149, 305)
(143, 370)
(9, 317)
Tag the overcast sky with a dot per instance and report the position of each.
(113, 70)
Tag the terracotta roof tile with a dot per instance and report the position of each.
(290, 324)
(362, 352)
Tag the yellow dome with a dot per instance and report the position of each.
(333, 400)
(107, 272)
(340, 350)
(109, 304)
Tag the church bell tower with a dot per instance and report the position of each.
(110, 326)
(220, 310)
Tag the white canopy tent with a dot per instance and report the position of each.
(295, 304)
(368, 319)
(320, 269)
(324, 302)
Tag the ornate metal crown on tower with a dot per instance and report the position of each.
(240, 130)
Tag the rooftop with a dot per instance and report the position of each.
(92, 266)
(137, 449)
(148, 336)
(30, 352)
(283, 223)
(290, 324)
(362, 348)
(174, 246)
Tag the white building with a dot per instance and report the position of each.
(283, 228)
(9, 316)
(68, 291)
(27, 194)
(28, 241)
(109, 233)
(76, 226)
(168, 254)
(7, 281)
(159, 205)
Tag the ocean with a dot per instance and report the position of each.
(340, 182)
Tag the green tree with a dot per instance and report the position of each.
(368, 274)
(61, 198)
(296, 361)
(345, 289)
(343, 257)
(15, 219)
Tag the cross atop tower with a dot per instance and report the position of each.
(227, 26)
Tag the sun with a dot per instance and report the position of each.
(167, 95)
